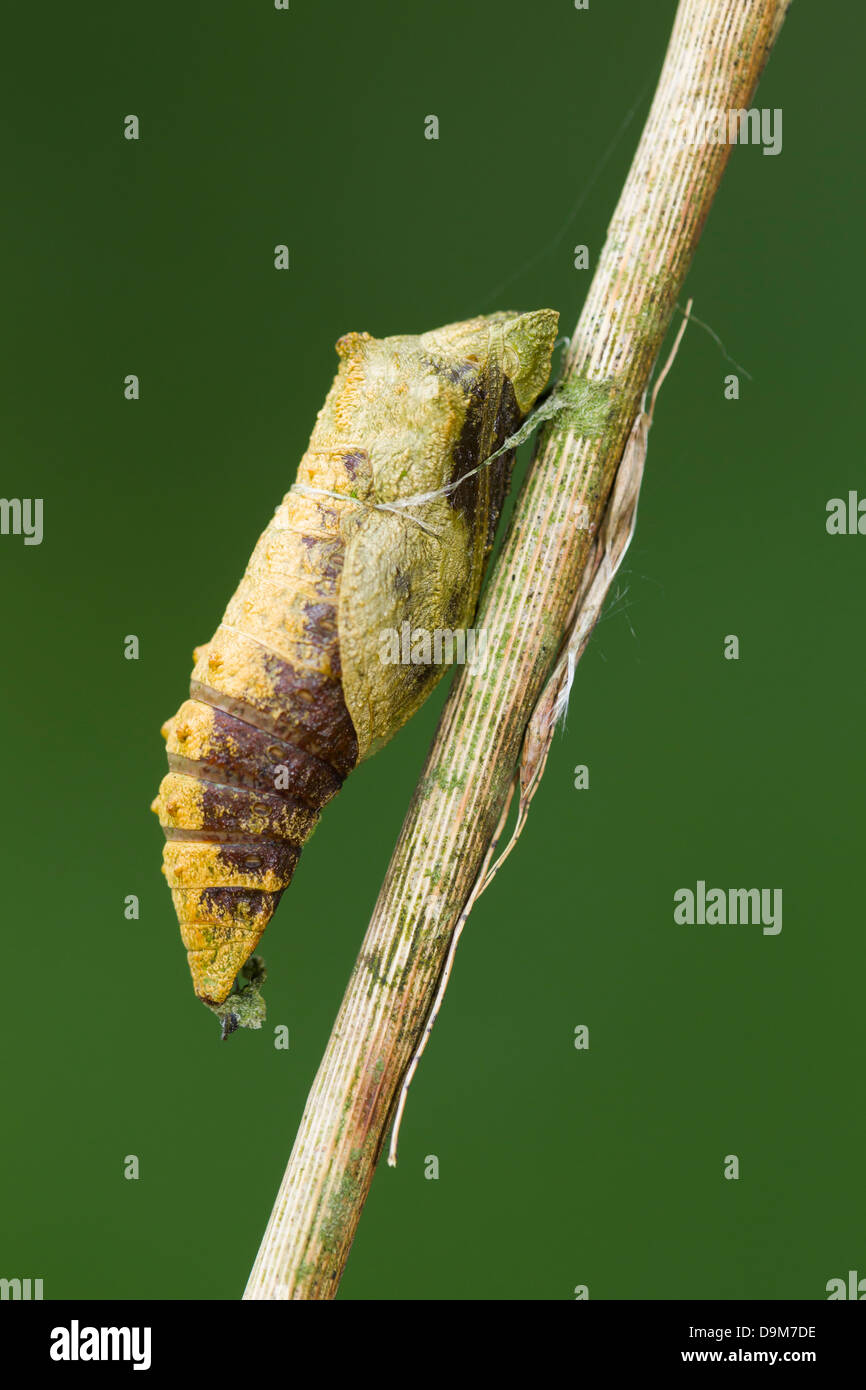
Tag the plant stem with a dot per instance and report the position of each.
(716, 53)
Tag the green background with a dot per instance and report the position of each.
(557, 1167)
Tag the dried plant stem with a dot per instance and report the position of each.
(716, 54)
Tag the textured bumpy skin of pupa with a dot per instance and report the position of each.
(291, 693)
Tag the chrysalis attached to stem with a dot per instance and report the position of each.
(291, 692)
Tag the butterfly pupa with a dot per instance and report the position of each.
(291, 693)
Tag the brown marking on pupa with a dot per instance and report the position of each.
(302, 707)
(320, 624)
(239, 754)
(259, 859)
(228, 905)
(356, 462)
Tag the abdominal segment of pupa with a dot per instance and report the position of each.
(291, 692)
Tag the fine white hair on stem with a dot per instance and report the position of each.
(560, 706)
(553, 404)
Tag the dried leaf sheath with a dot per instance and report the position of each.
(291, 693)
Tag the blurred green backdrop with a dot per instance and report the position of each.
(557, 1167)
